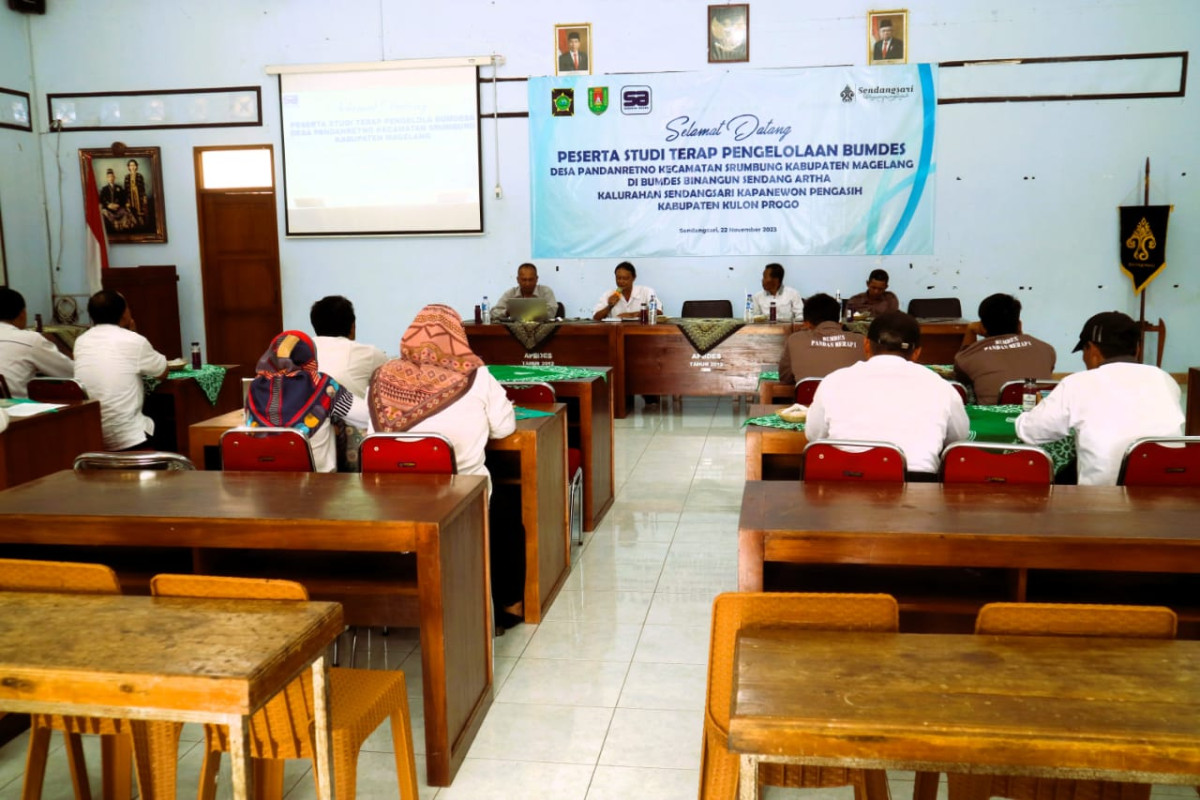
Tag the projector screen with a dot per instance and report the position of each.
(381, 151)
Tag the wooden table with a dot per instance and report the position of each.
(173, 659)
(535, 457)
(776, 451)
(44, 443)
(1100, 709)
(941, 340)
(1021, 528)
(440, 518)
(176, 404)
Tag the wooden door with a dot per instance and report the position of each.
(239, 256)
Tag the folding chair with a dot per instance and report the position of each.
(849, 460)
(56, 390)
(266, 449)
(806, 389)
(1161, 461)
(1012, 392)
(979, 462)
(411, 453)
(133, 460)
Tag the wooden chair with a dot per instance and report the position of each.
(707, 309)
(410, 453)
(1161, 461)
(18, 575)
(849, 460)
(1161, 330)
(133, 460)
(56, 390)
(806, 389)
(1012, 392)
(266, 449)
(1054, 619)
(935, 307)
(982, 462)
(359, 701)
(736, 611)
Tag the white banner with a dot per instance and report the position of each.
(831, 161)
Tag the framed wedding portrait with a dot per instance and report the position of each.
(887, 37)
(573, 49)
(729, 33)
(129, 185)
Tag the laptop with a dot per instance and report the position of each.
(527, 309)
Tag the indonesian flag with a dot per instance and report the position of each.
(96, 240)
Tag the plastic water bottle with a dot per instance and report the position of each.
(652, 311)
(1029, 395)
(485, 311)
(749, 308)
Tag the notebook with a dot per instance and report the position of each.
(527, 309)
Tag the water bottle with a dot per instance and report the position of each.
(652, 311)
(749, 308)
(773, 316)
(485, 311)
(1029, 395)
(196, 355)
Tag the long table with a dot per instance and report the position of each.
(44, 443)
(439, 518)
(171, 659)
(1099, 709)
(1020, 528)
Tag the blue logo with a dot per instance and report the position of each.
(635, 100)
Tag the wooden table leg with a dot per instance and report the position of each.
(925, 786)
(748, 778)
(750, 561)
(241, 761)
(322, 743)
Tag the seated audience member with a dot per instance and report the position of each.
(438, 385)
(626, 301)
(1005, 354)
(821, 346)
(111, 359)
(788, 302)
(24, 354)
(527, 286)
(290, 391)
(342, 358)
(890, 398)
(876, 299)
(1115, 401)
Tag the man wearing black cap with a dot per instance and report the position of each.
(891, 398)
(1114, 402)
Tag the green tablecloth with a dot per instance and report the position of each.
(519, 373)
(210, 377)
(520, 412)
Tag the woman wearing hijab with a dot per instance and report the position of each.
(290, 392)
(437, 386)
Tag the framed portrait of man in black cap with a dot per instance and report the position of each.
(887, 37)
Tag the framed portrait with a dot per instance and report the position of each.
(130, 188)
(887, 37)
(573, 49)
(729, 33)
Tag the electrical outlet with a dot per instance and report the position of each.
(499, 192)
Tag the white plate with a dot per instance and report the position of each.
(613, 319)
(177, 363)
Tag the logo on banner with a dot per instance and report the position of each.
(635, 100)
(598, 99)
(562, 102)
(847, 94)
(1143, 243)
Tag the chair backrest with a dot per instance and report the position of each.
(707, 308)
(20, 575)
(849, 460)
(232, 588)
(532, 392)
(1012, 392)
(4, 392)
(1071, 619)
(962, 390)
(133, 460)
(806, 388)
(981, 462)
(561, 311)
(1161, 461)
(266, 449)
(56, 390)
(411, 453)
(935, 307)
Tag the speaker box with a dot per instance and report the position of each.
(28, 6)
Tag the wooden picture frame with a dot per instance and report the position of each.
(729, 33)
(130, 217)
(887, 37)
(564, 59)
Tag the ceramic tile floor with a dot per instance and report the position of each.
(603, 700)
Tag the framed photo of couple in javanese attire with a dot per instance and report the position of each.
(130, 190)
(887, 37)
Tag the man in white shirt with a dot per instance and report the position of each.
(789, 305)
(890, 398)
(339, 356)
(1114, 402)
(24, 354)
(111, 359)
(527, 287)
(626, 301)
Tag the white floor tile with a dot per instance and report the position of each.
(621, 783)
(677, 687)
(518, 780)
(673, 644)
(645, 738)
(574, 683)
(596, 605)
(584, 641)
(544, 733)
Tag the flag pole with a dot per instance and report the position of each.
(1142, 293)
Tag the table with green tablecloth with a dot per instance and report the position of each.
(188, 396)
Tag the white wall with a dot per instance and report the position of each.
(1026, 192)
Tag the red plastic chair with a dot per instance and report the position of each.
(849, 460)
(962, 390)
(56, 390)
(1161, 461)
(806, 388)
(265, 450)
(1011, 392)
(409, 453)
(538, 392)
(977, 462)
